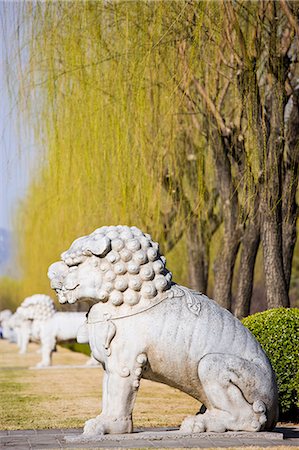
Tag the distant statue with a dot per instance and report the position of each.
(22, 330)
(37, 320)
(6, 331)
(142, 325)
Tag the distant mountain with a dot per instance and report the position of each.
(5, 249)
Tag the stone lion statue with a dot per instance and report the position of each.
(21, 327)
(143, 325)
(5, 316)
(37, 319)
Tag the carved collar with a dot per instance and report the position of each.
(101, 317)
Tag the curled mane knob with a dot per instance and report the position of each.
(113, 256)
(110, 275)
(161, 282)
(117, 244)
(147, 273)
(120, 268)
(121, 284)
(125, 255)
(133, 245)
(152, 254)
(131, 297)
(133, 267)
(148, 290)
(135, 283)
(116, 298)
(140, 257)
(103, 295)
(158, 266)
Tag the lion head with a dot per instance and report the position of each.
(36, 307)
(116, 264)
(15, 320)
(5, 314)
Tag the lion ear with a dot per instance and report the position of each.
(99, 247)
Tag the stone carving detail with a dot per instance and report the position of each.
(193, 300)
(142, 325)
(37, 319)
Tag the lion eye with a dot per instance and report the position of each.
(71, 284)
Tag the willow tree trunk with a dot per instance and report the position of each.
(225, 261)
(276, 288)
(224, 269)
(289, 225)
(290, 185)
(271, 230)
(198, 257)
(250, 244)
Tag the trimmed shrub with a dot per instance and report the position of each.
(277, 330)
(75, 347)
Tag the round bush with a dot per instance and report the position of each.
(277, 330)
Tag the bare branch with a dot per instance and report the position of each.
(291, 18)
(212, 108)
(232, 17)
(227, 83)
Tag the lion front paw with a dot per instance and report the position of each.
(193, 424)
(94, 426)
(107, 425)
(216, 422)
(41, 365)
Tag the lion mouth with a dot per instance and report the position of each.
(67, 295)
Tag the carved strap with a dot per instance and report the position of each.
(111, 332)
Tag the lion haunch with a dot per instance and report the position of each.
(142, 325)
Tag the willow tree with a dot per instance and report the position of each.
(247, 93)
(107, 110)
(157, 114)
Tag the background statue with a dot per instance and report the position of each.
(142, 325)
(38, 320)
(21, 328)
(6, 330)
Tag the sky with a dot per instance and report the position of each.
(14, 164)
(15, 158)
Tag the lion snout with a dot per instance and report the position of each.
(57, 273)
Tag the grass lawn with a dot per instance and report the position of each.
(67, 397)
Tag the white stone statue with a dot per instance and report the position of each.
(22, 330)
(39, 321)
(142, 325)
(5, 315)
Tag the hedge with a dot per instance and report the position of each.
(75, 347)
(277, 330)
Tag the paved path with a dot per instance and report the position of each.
(146, 438)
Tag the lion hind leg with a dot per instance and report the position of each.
(226, 381)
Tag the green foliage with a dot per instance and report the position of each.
(106, 96)
(75, 347)
(103, 93)
(277, 330)
(126, 100)
(9, 293)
